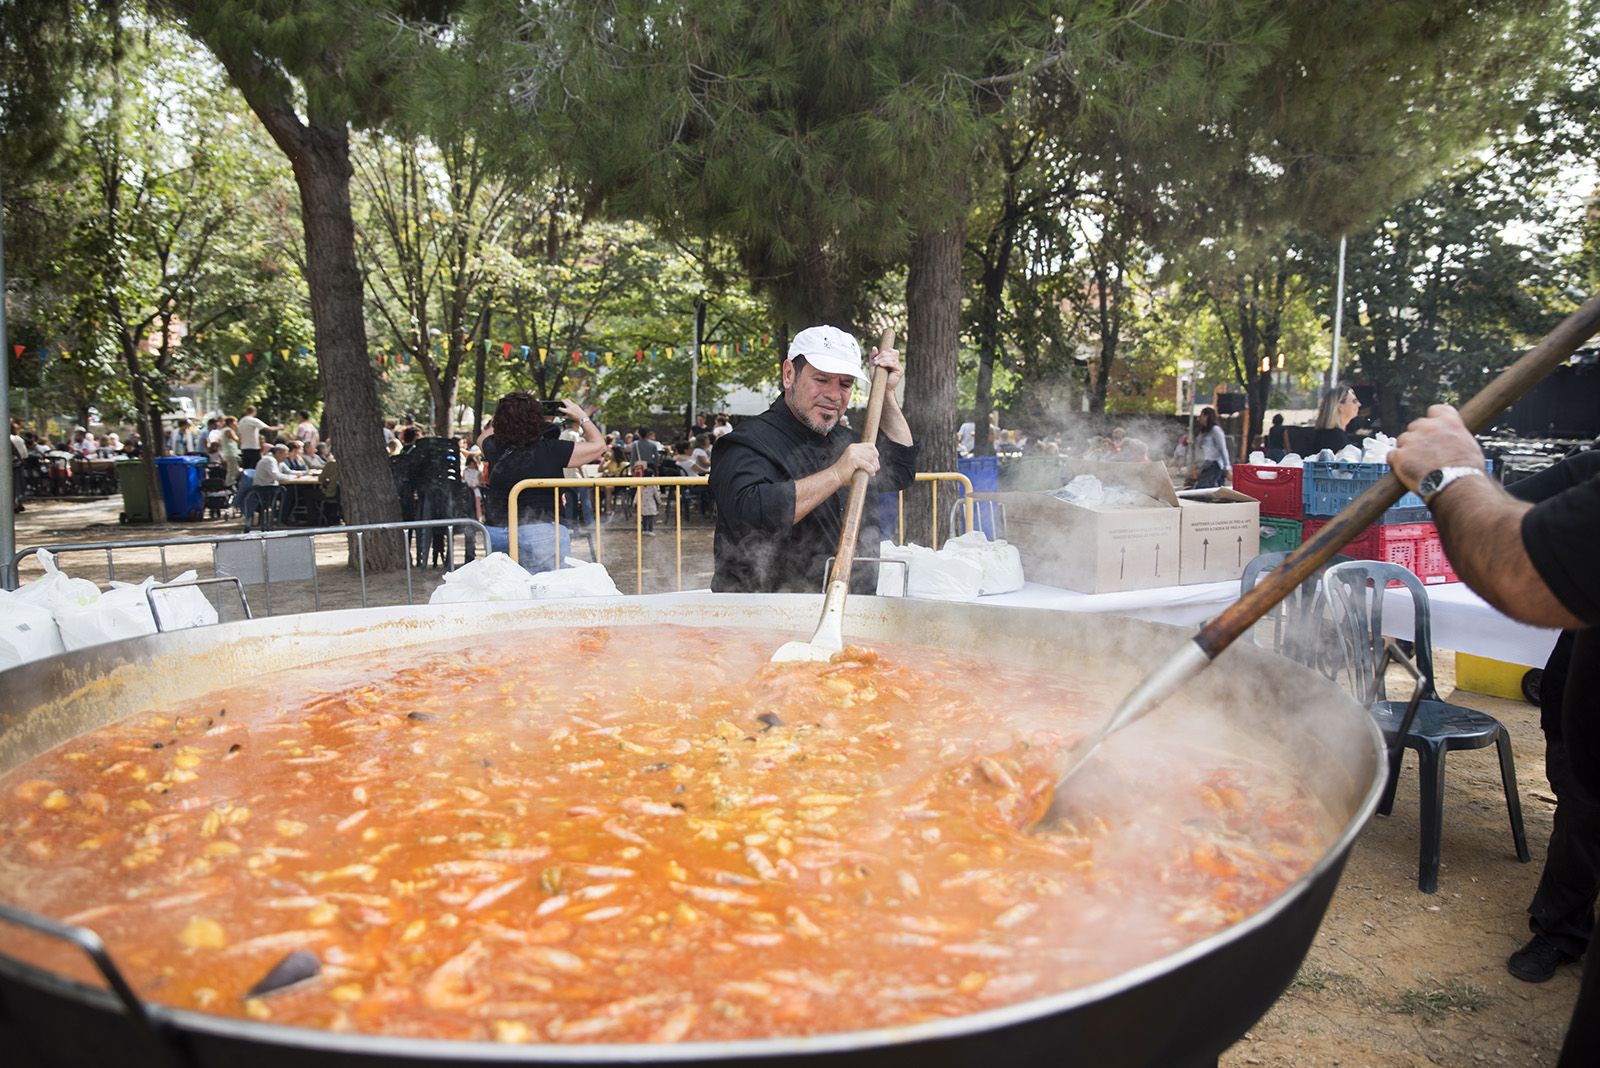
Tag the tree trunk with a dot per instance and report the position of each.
(1105, 317)
(994, 281)
(322, 171)
(147, 411)
(933, 310)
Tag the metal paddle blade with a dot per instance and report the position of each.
(1185, 664)
(829, 636)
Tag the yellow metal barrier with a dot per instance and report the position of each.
(556, 485)
(935, 477)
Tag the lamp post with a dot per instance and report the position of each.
(694, 356)
(1338, 316)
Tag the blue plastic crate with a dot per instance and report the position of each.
(1329, 486)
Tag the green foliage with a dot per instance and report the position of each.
(342, 60)
(1441, 294)
(44, 44)
(148, 246)
(617, 287)
(815, 137)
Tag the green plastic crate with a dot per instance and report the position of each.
(1279, 535)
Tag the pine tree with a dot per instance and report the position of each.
(312, 70)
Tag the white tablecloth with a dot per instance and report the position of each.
(1460, 619)
(1465, 622)
(1183, 605)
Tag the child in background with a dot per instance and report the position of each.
(649, 503)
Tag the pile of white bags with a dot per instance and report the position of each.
(497, 577)
(56, 612)
(967, 566)
(1290, 459)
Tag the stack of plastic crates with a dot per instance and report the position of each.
(1404, 535)
(1278, 491)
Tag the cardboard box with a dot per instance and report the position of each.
(1098, 549)
(1219, 532)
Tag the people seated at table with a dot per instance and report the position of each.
(318, 457)
(683, 458)
(296, 459)
(83, 443)
(272, 469)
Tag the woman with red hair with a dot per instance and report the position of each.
(522, 441)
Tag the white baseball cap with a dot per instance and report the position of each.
(830, 350)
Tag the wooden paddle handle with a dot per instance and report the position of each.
(845, 557)
(1551, 352)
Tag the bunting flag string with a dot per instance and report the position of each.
(404, 358)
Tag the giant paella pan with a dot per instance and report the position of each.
(608, 832)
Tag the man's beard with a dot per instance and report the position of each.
(805, 418)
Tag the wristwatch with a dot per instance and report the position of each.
(1434, 482)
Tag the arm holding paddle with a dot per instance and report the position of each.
(1193, 657)
(863, 455)
(1480, 524)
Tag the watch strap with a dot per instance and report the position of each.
(1443, 476)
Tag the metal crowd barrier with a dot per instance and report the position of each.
(678, 482)
(252, 557)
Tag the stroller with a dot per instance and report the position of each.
(214, 490)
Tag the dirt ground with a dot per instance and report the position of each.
(1395, 978)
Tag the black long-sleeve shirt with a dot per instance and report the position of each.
(759, 548)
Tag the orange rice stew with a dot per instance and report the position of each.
(632, 835)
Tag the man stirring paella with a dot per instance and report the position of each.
(780, 478)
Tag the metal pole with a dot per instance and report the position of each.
(694, 358)
(1338, 317)
(8, 517)
(1194, 368)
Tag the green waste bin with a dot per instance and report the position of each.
(135, 492)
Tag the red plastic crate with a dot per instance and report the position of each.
(1277, 488)
(1414, 546)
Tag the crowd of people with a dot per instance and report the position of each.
(240, 453)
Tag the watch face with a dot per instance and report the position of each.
(1430, 483)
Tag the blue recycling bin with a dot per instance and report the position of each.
(180, 478)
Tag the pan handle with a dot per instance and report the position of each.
(155, 613)
(905, 571)
(166, 1051)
